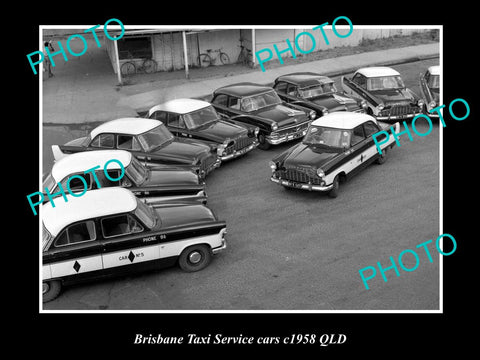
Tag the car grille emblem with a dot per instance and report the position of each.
(131, 256)
(76, 266)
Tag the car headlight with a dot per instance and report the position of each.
(274, 127)
(380, 107)
(325, 112)
(273, 166)
(432, 104)
(420, 102)
(363, 104)
(221, 148)
(320, 173)
(257, 130)
(312, 114)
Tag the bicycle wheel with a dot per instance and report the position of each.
(149, 66)
(204, 60)
(224, 58)
(128, 68)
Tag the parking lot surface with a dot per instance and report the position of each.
(297, 250)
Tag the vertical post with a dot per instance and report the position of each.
(185, 54)
(117, 62)
(254, 43)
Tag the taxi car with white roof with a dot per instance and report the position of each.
(336, 147)
(110, 232)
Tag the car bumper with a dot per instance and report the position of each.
(296, 185)
(397, 117)
(204, 172)
(240, 152)
(288, 137)
(220, 248)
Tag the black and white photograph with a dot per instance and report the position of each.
(284, 184)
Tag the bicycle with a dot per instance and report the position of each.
(206, 59)
(245, 57)
(148, 66)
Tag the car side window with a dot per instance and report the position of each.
(127, 142)
(77, 185)
(76, 233)
(357, 135)
(103, 141)
(159, 115)
(370, 128)
(120, 225)
(291, 89)
(105, 182)
(221, 99)
(360, 80)
(234, 103)
(281, 86)
(176, 120)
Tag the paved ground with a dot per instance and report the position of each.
(300, 250)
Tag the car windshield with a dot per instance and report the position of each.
(200, 117)
(136, 171)
(385, 82)
(256, 102)
(146, 214)
(154, 138)
(49, 182)
(328, 137)
(46, 236)
(434, 82)
(316, 90)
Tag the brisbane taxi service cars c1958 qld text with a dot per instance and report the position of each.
(316, 92)
(161, 183)
(386, 95)
(148, 140)
(261, 106)
(336, 147)
(198, 120)
(110, 231)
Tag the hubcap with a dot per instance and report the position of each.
(195, 257)
(45, 288)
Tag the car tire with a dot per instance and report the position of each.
(333, 193)
(262, 142)
(51, 289)
(382, 158)
(195, 258)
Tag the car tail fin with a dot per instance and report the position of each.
(57, 152)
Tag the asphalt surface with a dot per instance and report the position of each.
(298, 250)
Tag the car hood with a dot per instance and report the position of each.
(76, 142)
(183, 150)
(281, 114)
(178, 215)
(308, 156)
(334, 102)
(170, 177)
(393, 96)
(219, 131)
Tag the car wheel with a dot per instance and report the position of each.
(262, 142)
(333, 193)
(382, 158)
(51, 289)
(195, 258)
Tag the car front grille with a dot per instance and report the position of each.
(293, 129)
(297, 176)
(207, 163)
(240, 144)
(400, 110)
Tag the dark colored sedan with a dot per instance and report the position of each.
(261, 106)
(316, 92)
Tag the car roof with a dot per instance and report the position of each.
(81, 161)
(243, 89)
(305, 78)
(180, 106)
(132, 126)
(375, 71)
(343, 120)
(93, 204)
(434, 70)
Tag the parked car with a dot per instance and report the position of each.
(111, 232)
(260, 106)
(148, 140)
(385, 93)
(197, 119)
(316, 92)
(163, 183)
(336, 147)
(430, 88)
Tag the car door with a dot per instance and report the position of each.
(371, 152)
(123, 244)
(359, 146)
(286, 91)
(76, 253)
(176, 125)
